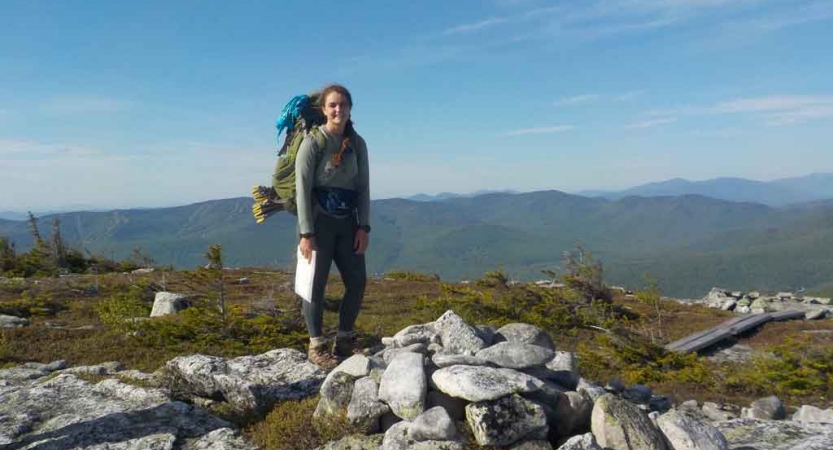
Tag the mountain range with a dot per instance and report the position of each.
(689, 243)
(779, 192)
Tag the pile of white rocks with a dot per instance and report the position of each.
(435, 383)
(755, 303)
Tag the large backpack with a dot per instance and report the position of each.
(300, 117)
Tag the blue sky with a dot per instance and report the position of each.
(153, 103)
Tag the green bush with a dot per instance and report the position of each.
(410, 276)
(124, 311)
(290, 426)
(201, 328)
(494, 279)
(635, 359)
(554, 310)
(793, 370)
(32, 305)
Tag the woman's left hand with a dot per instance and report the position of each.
(361, 242)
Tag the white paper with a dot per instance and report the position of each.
(304, 273)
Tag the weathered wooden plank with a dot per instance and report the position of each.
(689, 338)
(789, 314)
(752, 321)
(716, 335)
(733, 327)
(726, 326)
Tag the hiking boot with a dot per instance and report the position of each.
(322, 357)
(346, 347)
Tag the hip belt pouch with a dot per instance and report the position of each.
(336, 201)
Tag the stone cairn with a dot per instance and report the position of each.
(755, 303)
(433, 384)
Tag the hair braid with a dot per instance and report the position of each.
(345, 143)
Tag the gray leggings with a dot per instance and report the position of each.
(334, 240)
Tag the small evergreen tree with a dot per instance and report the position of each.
(585, 275)
(39, 260)
(33, 228)
(8, 256)
(214, 270)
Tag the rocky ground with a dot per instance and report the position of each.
(444, 384)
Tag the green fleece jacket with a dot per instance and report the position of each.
(313, 169)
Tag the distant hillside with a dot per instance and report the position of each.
(689, 243)
(447, 195)
(773, 193)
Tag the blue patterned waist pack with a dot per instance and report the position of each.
(336, 201)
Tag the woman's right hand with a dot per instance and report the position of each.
(307, 245)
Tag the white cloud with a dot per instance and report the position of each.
(21, 149)
(630, 95)
(770, 103)
(85, 105)
(539, 130)
(471, 27)
(651, 123)
(796, 15)
(799, 115)
(578, 99)
(773, 109)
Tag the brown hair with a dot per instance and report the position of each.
(348, 129)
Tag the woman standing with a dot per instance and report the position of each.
(333, 197)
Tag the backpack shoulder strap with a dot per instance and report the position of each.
(320, 139)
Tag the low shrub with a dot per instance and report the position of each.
(410, 276)
(32, 305)
(290, 426)
(123, 312)
(202, 328)
(635, 359)
(554, 310)
(792, 370)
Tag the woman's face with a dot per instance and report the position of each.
(336, 109)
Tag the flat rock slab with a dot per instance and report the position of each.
(453, 360)
(250, 384)
(688, 431)
(746, 434)
(476, 384)
(524, 333)
(506, 421)
(516, 355)
(66, 412)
